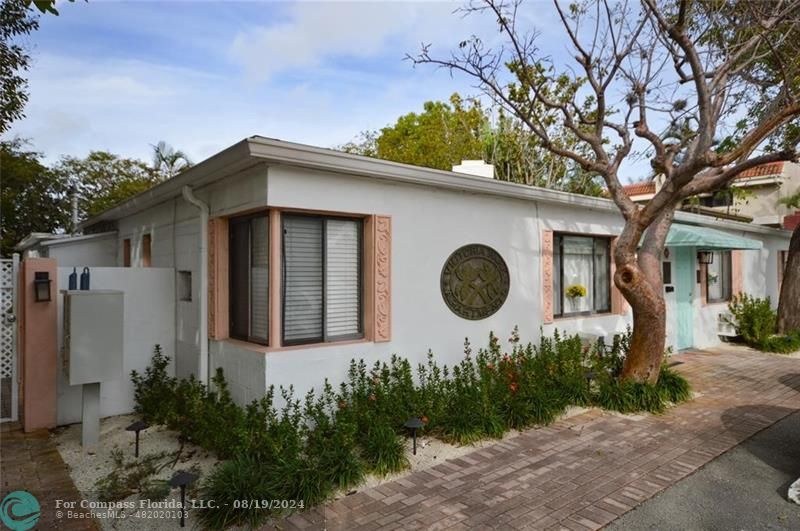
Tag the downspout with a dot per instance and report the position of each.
(188, 194)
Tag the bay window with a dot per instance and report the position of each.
(581, 275)
(322, 279)
(718, 277)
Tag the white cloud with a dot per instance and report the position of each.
(316, 32)
(80, 104)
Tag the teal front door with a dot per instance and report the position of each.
(684, 283)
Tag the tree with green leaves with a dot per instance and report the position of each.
(667, 78)
(33, 197)
(445, 134)
(789, 301)
(168, 161)
(16, 21)
(104, 179)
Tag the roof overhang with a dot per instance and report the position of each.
(35, 238)
(258, 150)
(80, 238)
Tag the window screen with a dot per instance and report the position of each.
(302, 279)
(321, 279)
(581, 275)
(718, 277)
(249, 278)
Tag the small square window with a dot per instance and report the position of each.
(666, 272)
(184, 286)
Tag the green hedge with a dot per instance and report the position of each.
(334, 437)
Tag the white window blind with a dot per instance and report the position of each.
(342, 279)
(259, 277)
(302, 273)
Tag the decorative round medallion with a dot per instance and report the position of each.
(474, 281)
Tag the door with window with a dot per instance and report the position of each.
(684, 288)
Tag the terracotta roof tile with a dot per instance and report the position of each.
(648, 187)
(774, 168)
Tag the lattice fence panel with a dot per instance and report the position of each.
(6, 331)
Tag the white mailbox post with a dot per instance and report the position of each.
(93, 324)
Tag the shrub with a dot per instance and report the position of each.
(134, 476)
(241, 478)
(629, 397)
(753, 319)
(672, 386)
(304, 452)
(154, 391)
(781, 344)
(384, 450)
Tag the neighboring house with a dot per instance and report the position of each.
(753, 196)
(291, 260)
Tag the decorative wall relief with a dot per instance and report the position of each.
(475, 281)
(547, 276)
(383, 278)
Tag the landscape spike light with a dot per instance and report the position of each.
(137, 426)
(181, 479)
(413, 424)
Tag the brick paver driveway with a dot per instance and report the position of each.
(31, 462)
(583, 472)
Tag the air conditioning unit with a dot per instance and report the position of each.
(724, 326)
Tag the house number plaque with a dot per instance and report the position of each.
(474, 281)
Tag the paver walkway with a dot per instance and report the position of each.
(31, 462)
(584, 472)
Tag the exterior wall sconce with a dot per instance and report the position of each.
(705, 257)
(41, 286)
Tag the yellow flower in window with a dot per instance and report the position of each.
(576, 290)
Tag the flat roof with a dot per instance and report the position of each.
(258, 150)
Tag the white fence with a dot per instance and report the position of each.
(9, 390)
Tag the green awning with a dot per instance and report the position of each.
(705, 238)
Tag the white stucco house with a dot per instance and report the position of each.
(290, 260)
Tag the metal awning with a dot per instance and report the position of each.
(705, 238)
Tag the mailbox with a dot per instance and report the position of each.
(93, 322)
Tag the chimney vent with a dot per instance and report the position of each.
(475, 167)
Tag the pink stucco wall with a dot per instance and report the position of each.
(39, 345)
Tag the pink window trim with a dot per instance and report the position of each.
(377, 280)
(619, 305)
(547, 276)
(737, 278)
(382, 287)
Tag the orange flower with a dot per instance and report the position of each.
(372, 397)
(424, 419)
(513, 386)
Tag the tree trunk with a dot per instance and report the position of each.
(789, 301)
(638, 277)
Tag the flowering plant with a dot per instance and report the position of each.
(575, 290)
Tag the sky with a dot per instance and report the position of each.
(202, 75)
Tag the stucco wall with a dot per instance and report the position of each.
(427, 225)
(92, 252)
(149, 310)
